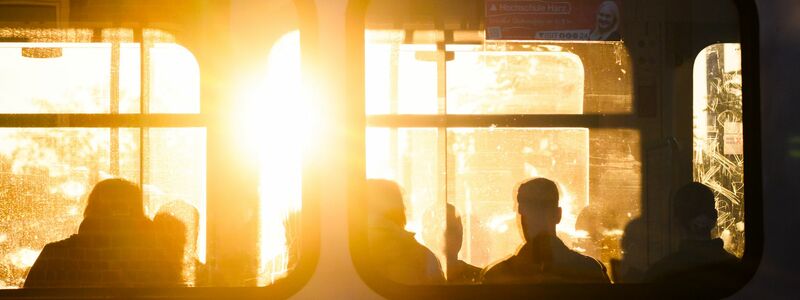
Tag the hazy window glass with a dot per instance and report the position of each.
(75, 82)
(718, 137)
(77, 78)
(45, 176)
(494, 82)
(47, 173)
(398, 82)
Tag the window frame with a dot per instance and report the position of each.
(356, 26)
(211, 64)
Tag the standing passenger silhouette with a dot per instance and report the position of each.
(393, 251)
(700, 261)
(544, 258)
(116, 246)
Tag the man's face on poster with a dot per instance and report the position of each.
(605, 18)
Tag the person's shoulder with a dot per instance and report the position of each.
(689, 265)
(578, 260)
(470, 268)
(586, 267)
(48, 259)
(62, 244)
(497, 271)
(665, 266)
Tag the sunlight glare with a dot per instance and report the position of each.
(277, 127)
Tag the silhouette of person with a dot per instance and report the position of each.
(458, 271)
(393, 251)
(606, 23)
(590, 221)
(177, 224)
(630, 269)
(700, 260)
(544, 258)
(116, 246)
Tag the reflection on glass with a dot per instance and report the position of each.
(718, 137)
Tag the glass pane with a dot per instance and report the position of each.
(77, 81)
(495, 77)
(398, 82)
(45, 177)
(599, 185)
(718, 138)
(486, 167)
(615, 193)
(174, 81)
(80, 78)
(176, 186)
(55, 169)
(408, 157)
(494, 82)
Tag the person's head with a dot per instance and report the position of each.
(694, 210)
(633, 242)
(172, 231)
(537, 205)
(114, 198)
(607, 16)
(385, 202)
(453, 233)
(186, 215)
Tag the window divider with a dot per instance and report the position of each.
(103, 120)
(514, 120)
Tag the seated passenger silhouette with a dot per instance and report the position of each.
(177, 223)
(458, 271)
(393, 251)
(700, 260)
(116, 246)
(544, 258)
(630, 268)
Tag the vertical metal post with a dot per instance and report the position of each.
(394, 73)
(441, 83)
(144, 108)
(114, 104)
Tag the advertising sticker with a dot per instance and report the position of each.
(733, 139)
(582, 20)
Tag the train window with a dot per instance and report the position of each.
(718, 138)
(83, 95)
(475, 166)
(48, 173)
(520, 150)
(185, 103)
